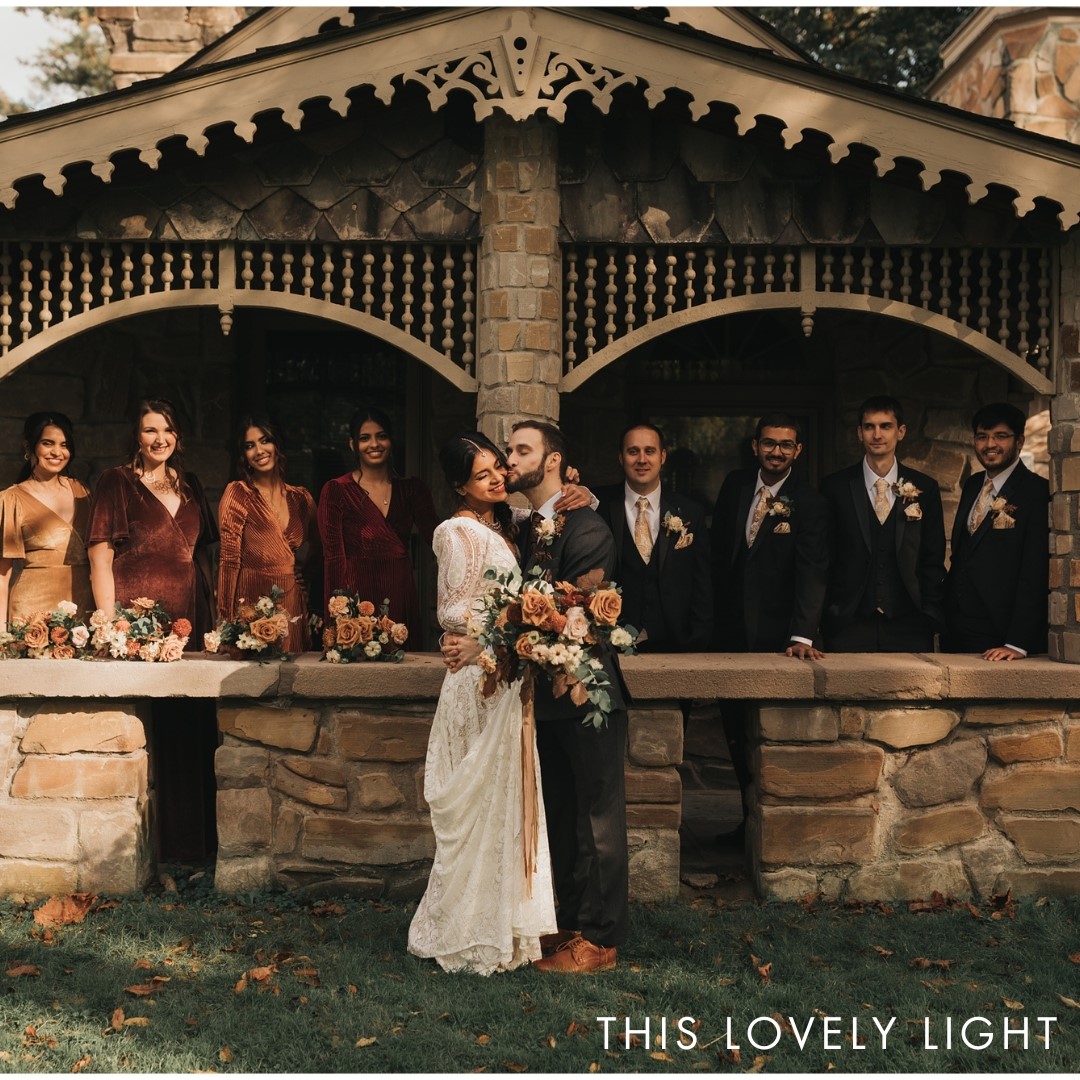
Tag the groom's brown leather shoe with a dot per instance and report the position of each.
(550, 942)
(578, 957)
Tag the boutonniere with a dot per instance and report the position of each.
(1001, 514)
(909, 494)
(778, 506)
(548, 529)
(674, 524)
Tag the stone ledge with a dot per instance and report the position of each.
(860, 677)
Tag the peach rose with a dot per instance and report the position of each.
(143, 605)
(122, 626)
(367, 629)
(36, 635)
(348, 633)
(329, 637)
(535, 607)
(265, 630)
(338, 606)
(58, 635)
(606, 606)
(172, 648)
(63, 652)
(99, 619)
(577, 624)
(366, 608)
(524, 645)
(399, 633)
(181, 628)
(133, 647)
(385, 624)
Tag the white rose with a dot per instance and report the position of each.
(80, 636)
(333, 656)
(674, 523)
(212, 641)
(66, 607)
(620, 638)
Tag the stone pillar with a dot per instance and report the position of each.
(1065, 467)
(519, 355)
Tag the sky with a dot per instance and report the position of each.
(21, 37)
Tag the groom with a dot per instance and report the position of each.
(581, 766)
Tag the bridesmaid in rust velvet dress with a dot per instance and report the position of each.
(267, 531)
(365, 518)
(151, 525)
(43, 520)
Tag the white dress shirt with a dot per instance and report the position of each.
(652, 511)
(870, 478)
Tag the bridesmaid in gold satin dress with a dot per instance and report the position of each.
(268, 532)
(44, 519)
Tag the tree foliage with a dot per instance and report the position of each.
(896, 46)
(78, 60)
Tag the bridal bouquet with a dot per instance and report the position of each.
(562, 629)
(357, 634)
(140, 631)
(47, 635)
(258, 632)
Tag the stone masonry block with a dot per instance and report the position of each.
(24, 877)
(310, 791)
(69, 731)
(114, 849)
(38, 831)
(1019, 712)
(797, 723)
(244, 820)
(909, 880)
(1034, 787)
(540, 336)
(654, 864)
(368, 841)
(290, 729)
(238, 875)
(520, 368)
(1027, 746)
(365, 736)
(1043, 839)
(823, 772)
(817, 835)
(1063, 882)
(900, 728)
(379, 792)
(531, 400)
(520, 208)
(940, 828)
(853, 720)
(653, 785)
(1070, 474)
(655, 736)
(941, 774)
(1072, 743)
(787, 884)
(76, 776)
(653, 815)
(240, 766)
(506, 238)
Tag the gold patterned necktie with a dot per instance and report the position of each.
(759, 515)
(982, 505)
(881, 499)
(642, 533)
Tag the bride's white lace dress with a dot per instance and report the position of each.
(476, 914)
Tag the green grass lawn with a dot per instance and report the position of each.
(193, 981)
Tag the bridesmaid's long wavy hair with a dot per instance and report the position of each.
(33, 429)
(358, 420)
(165, 408)
(272, 431)
(457, 456)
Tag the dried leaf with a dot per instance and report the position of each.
(765, 970)
(143, 989)
(551, 1042)
(922, 963)
(117, 1021)
(241, 984)
(513, 1066)
(367, 1040)
(137, 1021)
(1074, 958)
(22, 969)
(571, 1027)
(594, 1066)
(61, 910)
(262, 974)
(328, 907)
(882, 951)
(759, 1064)
(142, 965)
(225, 1055)
(1068, 1001)
(1010, 1004)
(483, 1040)
(661, 1055)
(81, 1063)
(578, 693)
(167, 883)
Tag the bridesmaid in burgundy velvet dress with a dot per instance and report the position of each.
(365, 518)
(151, 524)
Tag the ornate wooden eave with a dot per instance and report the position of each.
(525, 61)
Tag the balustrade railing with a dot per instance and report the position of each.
(428, 291)
(1005, 294)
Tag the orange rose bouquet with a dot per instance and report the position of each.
(47, 635)
(354, 633)
(141, 631)
(258, 632)
(562, 629)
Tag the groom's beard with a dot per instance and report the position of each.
(526, 481)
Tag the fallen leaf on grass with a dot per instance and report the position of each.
(137, 1021)
(594, 1066)
(1069, 1001)
(327, 907)
(367, 1040)
(922, 963)
(551, 1042)
(225, 1054)
(1010, 1004)
(759, 1064)
(81, 1063)
(1074, 958)
(262, 974)
(143, 965)
(513, 1066)
(483, 1040)
(22, 969)
(117, 1021)
(61, 910)
(764, 970)
(882, 951)
(143, 989)
(661, 1055)
(241, 984)
(353, 988)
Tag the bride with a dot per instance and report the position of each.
(479, 913)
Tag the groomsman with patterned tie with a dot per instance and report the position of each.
(998, 579)
(662, 549)
(887, 564)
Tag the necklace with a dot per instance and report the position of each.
(160, 485)
(494, 525)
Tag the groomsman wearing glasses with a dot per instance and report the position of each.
(770, 544)
(887, 564)
(662, 548)
(998, 581)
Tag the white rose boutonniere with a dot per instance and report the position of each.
(1001, 514)
(674, 524)
(909, 494)
(548, 529)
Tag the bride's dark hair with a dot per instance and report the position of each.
(457, 456)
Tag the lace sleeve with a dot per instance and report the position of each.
(460, 552)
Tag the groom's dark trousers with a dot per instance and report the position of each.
(582, 767)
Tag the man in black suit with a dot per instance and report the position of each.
(581, 766)
(887, 563)
(770, 560)
(662, 549)
(998, 580)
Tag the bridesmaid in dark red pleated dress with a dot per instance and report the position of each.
(365, 518)
(150, 525)
(268, 531)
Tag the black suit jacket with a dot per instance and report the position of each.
(774, 590)
(1001, 574)
(920, 544)
(685, 573)
(585, 543)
